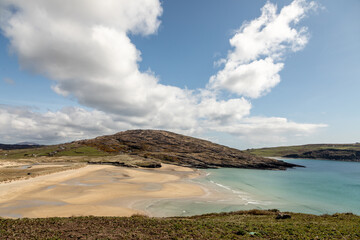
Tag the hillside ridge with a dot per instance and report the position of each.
(179, 149)
(18, 146)
(339, 152)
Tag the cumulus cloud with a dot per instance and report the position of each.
(21, 123)
(72, 123)
(86, 50)
(265, 130)
(252, 68)
(251, 79)
(84, 47)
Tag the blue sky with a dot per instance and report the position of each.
(317, 94)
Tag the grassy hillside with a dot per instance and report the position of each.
(350, 152)
(69, 149)
(253, 224)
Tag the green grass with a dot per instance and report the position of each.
(255, 224)
(23, 153)
(82, 151)
(54, 150)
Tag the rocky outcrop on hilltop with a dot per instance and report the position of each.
(181, 150)
(330, 154)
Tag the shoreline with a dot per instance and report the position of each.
(96, 190)
(105, 190)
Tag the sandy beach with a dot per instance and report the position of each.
(99, 190)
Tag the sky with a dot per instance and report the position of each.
(240, 73)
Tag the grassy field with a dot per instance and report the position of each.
(255, 224)
(282, 151)
(53, 151)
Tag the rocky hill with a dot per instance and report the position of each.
(339, 152)
(181, 150)
(330, 154)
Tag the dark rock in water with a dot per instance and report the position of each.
(181, 150)
(283, 216)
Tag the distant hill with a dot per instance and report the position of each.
(339, 152)
(179, 149)
(24, 145)
(27, 143)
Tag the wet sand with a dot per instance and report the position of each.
(99, 190)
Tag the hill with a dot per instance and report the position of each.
(339, 152)
(28, 143)
(148, 148)
(180, 150)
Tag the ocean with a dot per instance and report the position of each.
(323, 187)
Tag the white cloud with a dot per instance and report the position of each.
(265, 130)
(21, 124)
(251, 68)
(84, 47)
(252, 80)
(87, 51)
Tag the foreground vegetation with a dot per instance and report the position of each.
(254, 224)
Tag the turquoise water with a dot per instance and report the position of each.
(322, 187)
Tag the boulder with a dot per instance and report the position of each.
(283, 216)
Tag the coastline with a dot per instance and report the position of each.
(217, 198)
(98, 190)
(105, 190)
